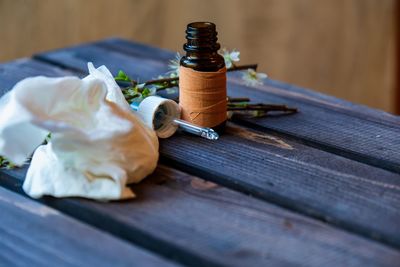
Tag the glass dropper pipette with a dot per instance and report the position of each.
(197, 130)
(161, 118)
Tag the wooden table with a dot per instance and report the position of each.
(318, 188)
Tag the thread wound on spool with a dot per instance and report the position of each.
(202, 96)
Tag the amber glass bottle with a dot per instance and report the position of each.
(202, 52)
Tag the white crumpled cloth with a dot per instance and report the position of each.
(97, 146)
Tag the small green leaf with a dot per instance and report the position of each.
(140, 85)
(5, 163)
(122, 77)
(146, 92)
(47, 139)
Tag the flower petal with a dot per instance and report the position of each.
(234, 55)
(261, 75)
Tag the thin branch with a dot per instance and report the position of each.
(174, 79)
(261, 107)
(164, 87)
(238, 99)
(163, 80)
(243, 67)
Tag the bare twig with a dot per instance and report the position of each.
(163, 80)
(261, 107)
(175, 79)
(238, 99)
(243, 67)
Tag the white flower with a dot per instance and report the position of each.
(172, 90)
(97, 144)
(253, 78)
(230, 57)
(174, 65)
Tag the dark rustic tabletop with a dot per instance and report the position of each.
(317, 188)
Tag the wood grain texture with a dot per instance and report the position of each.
(313, 182)
(201, 224)
(352, 195)
(345, 48)
(19, 69)
(336, 198)
(334, 125)
(32, 234)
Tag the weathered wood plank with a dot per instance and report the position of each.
(202, 224)
(362, 139)
(331, 124)
(19, 69)
(32, 234)
(338, 126)
(355, 196)
(198, 243)
(280, 171)
(312, 181)
(321, 184)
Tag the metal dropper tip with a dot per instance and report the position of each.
(212, 135)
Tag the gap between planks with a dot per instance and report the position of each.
(201, 224)
(247, 187)
(35, 234)
(136, 52)
(269, 194)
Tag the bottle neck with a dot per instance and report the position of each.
(202, 47)
(201, 37)
(202, 54)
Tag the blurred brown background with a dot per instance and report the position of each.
(346, 48)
